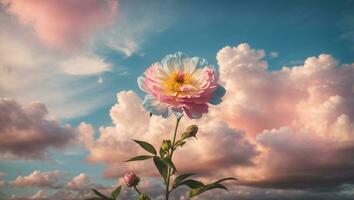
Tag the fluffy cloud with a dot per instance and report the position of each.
(301, 114)
(324, 163)
(290, 129)
(60, 188)
(82, 184)
(38, 179)
(27, 133)
(79, 182)
(114, 142)
(84, 65)
(29, 73)
(252, 193)
(39, 195)
(63, 24)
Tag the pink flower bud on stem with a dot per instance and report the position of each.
(131, 180)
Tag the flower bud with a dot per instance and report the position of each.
(191, 131)
(166, 145)
(131, 179)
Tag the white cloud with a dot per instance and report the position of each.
(39, 195)
(273, 54)
(130, 32)
(38, 179)
(30, 72)
(259, 133)
(100, 80)
(84, 65)
(79, 182)
(115, 141)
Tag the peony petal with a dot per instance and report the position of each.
(189, 65)
(195, 111)
(156, 107)
(178, 112)
(173, 62)
(192, 97)
(141, 84)
(200, 62)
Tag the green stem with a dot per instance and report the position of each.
(136, 189)
(172, 150)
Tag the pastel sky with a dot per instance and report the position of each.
(70, 103)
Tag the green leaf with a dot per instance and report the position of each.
(162, 152)
(144, 197)
(161, 166)
(100, 194)
(169, 162)
(226, 179)
(214, 186)
(116, 192)
(181, 177)
(136, 158)
(148, 147)
(193, 184)
(195, 192)
(95, 198)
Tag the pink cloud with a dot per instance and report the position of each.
(79, 182)
(114, 144)
(258, 99)
(65, 23)
(79, 187)
(38, 179)
(302, 159)
(301, 117)
(82, 183)
(294, 125)
(26, 132)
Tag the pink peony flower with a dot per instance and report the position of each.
(131, 179)
(180, 84)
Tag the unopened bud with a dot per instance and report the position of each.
(166, 145)
(131, 179)
(191, 131)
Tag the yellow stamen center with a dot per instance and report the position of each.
(173, 83)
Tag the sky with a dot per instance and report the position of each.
(70, 103)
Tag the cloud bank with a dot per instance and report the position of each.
(288, 129)
(66, 23)
(285, 134)
(27, 133)
(301, 117)
(38, 179)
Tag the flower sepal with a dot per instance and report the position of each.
(191, 131)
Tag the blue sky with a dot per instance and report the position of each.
(288, 31)
(294, 30)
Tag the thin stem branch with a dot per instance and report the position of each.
(172, 150)
(136, 189)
